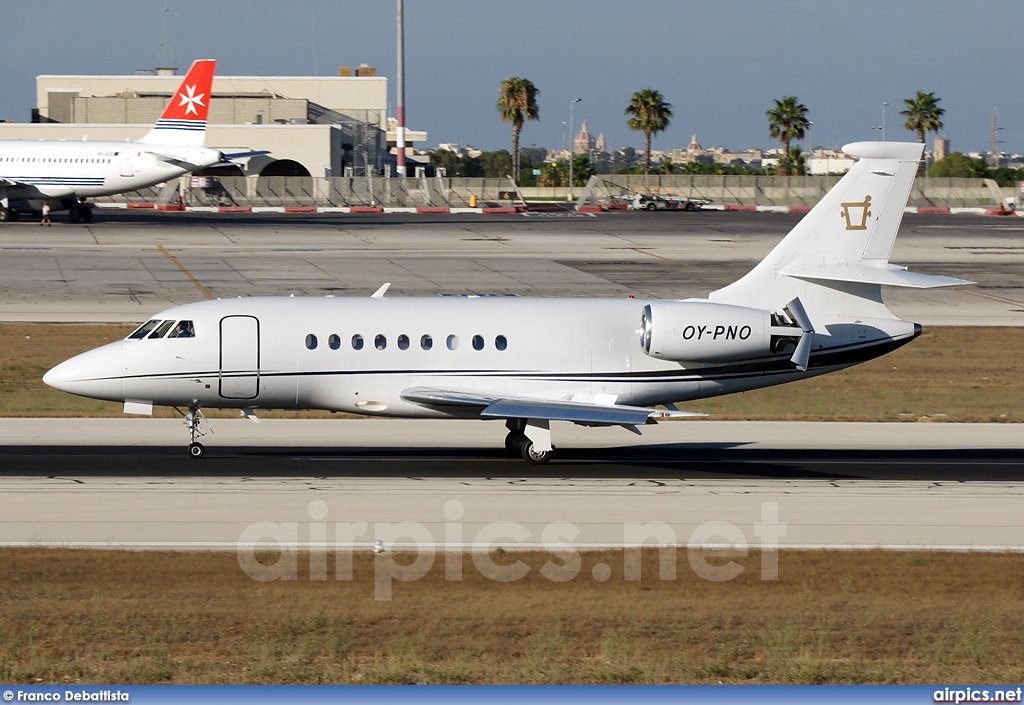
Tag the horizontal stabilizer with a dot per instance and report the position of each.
(230, 156)
(499, 407)
(888, 276)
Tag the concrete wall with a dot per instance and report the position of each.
(229, 111)
(336, 92)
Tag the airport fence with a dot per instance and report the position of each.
(323, 192)
(601, 190)
(781, 191)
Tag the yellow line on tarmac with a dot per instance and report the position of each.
(203, 289)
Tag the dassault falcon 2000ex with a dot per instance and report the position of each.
(64, 173)
(812, 306)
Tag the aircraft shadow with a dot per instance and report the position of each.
(667, 461)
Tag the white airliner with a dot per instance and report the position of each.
(64, 173)
(812, 306)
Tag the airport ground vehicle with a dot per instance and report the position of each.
(641, 201)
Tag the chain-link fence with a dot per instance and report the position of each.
(776, 190)
(342, 191)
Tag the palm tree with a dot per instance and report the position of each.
(517, 101)
(786, 122)
(923, 116)
(651, 114)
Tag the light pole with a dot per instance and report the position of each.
(563, 135)
(810, 139)
(884, 111)
(572, 145)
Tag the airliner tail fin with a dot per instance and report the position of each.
(184, 119)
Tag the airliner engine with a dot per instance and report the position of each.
(699, 331)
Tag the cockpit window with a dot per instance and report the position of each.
(161, 329)
(184, 329)
(144, 329)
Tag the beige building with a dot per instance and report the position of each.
(311, 125)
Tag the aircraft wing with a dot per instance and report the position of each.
(511, 407)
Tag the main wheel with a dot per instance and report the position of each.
(6, 215)
(86, 214)
(534, 456)
(196, 450)
(651, 206)
(514, 442)
(74, 214)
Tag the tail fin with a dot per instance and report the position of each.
(184, 119)
(841, 247)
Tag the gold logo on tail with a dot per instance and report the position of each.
(850, 213)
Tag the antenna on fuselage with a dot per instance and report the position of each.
(379, 294)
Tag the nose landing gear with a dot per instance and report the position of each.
(197, 428)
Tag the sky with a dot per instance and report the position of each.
(720, 63)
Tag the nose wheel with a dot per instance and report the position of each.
(197, 426)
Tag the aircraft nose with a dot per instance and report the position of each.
(96, 373)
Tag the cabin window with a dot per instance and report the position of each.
(478, 342)
(142, 330)
(357, 342)
(184, 329)
(500, 342)
(380, 342)
(311, 342)
(453, 342)
(403, 342)
(334, 342)
(161, 329)
(426, 342)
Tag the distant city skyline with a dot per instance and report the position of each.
(720, 65)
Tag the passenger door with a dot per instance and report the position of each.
(239, 357)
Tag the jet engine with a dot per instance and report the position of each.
(699, 331)
(702, 331)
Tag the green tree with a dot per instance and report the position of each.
(923, 116)
(787, 122)
(581, 169)
(496, 164)
(958, 165)
(517, 102)
(554, 174)
(651, 114)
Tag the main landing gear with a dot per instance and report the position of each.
(536, 450)
(80, 213)
(197, 428)
(8, 215)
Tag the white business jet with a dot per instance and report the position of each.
(64, 173)
(812, 306)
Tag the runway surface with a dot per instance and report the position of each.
(126, 266)
(954, 487)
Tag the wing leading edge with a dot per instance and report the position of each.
(504, 407)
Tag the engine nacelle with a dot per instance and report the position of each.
(702, 331)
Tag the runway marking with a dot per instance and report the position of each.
(990, 297)
(202, 289)
(643, 251)
(220, 546)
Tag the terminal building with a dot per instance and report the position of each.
(318, 126)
